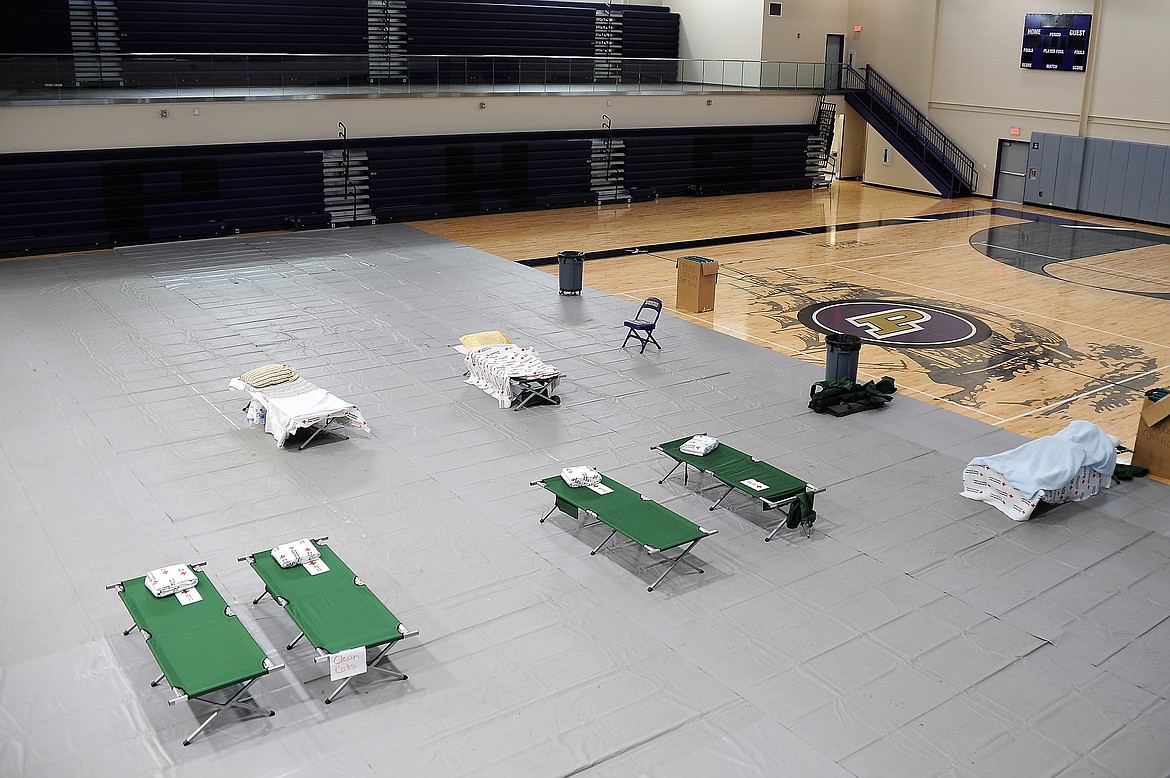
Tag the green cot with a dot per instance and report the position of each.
(742, 472)
(653, 526)
(201, 647)
(334, 610)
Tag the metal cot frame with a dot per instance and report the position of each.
(321, 655)
(235, 701)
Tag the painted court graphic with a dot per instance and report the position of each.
(895, 323)
(974, 371)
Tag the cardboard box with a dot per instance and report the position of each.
(695, 287)
(1151, 449)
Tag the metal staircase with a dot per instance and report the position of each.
(93, 28)
(607, 46)
(821, 165)
(607, 166)
(908, 130)
(386, 30)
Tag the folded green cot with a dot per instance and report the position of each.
(654, 527)
(201, 647)
(334, 610)
(742, 472)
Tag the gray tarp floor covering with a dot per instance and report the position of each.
(916, 633)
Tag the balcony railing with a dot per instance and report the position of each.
(138, 77)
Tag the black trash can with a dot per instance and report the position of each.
(571, 266)
(841, 355)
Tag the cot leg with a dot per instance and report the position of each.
(688, 563)
(298, 640)
(158, 680)
(716, 505)
(527, 395)
(261, 597)
(220, 707)
(602, 543)
(371, 665)
(550, 513)
(677, 559)
(397, 675)
(130, 629)
(394, 674)
(337, 691)
(202, 726)
(668, 475)
(316, 432)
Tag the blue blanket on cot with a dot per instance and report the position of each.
(1051, 462)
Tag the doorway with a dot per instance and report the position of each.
(834, 59)
(1011, 170)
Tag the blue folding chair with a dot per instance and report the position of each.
(642, 325)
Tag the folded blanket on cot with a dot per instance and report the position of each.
(581, 476)
(1070, 466)
(699, 446)
(296, 553)
(166, 581)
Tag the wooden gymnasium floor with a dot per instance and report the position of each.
(1077, 305)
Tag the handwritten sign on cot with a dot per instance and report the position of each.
(347, 663)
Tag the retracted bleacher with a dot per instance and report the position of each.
(54, 202)
(57, 202)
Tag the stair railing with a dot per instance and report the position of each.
(607, 125)
(824, 120)
(348, 189)
(906, 115)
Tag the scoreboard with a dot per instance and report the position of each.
(1056, 41)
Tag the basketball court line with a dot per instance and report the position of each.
(1107, 271)
(1013, 213)
(1016, 251)
(1076, 397)
(753, 237)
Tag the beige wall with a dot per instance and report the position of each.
(897, 39)
(851, 155)
(1130, 96)
(75, 127)
(898, 174)
(799, 34)
(719, 29)
(958, 61)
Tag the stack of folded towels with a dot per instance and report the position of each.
(581, 476)
(171, 580)
(699, 446)
(299, 552)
